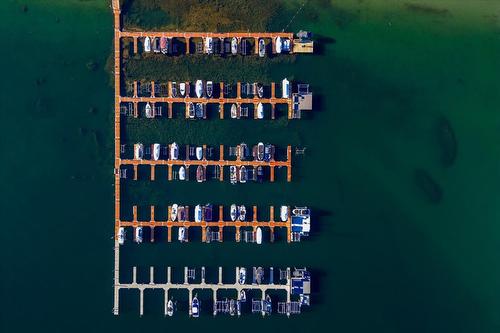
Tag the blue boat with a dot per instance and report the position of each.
(301, 223)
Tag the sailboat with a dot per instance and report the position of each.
(198, 88)
(258, 236)
(235, 114)
(284, 213)
(147, 44)
(182, 173)
(260, 111)
(277, 44)
(199, 153)
(234, 45)
(156, 151)
(138, 151)
(174, 151)
(138, 235)
(262, 48)
(198, 216)
(170, 308)
(121, 235)
(149, 111)
(209, 45)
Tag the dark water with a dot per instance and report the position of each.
(385, 258)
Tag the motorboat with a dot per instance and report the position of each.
(195, 307)
(262, 48)
(147, 44)
(200, 110)
(260, 89)
(234, 212)
(260, 174)
(285, 45)
(242, 213)
(210, 89)
(156, 151)
(182, 89)
(138, 151)
(200, 174)
(260, 151)
(234, 45)
(181, 214)
(198, 216)
(268, 152)
(191, 112)
(233, 174)
(208, 212)
(198, 88)
(243, 174)
(182, 237)
(170, 308)
(268, 305)
(232, 307)
(260, 111)
(301, 211)
(258, 236)
(121, 235)
(242, 151)
(209, 45)
(242, 275)
(173, 212)
(278, 44)
(285, 84)
(301, 223)
(149, 111)
(243, 295)
(138, 235)
(174, 89)
(238, 307)
(235, 114)
(163, 45)
(156, 45)
(174, 151)
(199, 153)
(182, 173)
(284, 213)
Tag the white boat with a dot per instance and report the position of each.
(233, 174)
(242, 213)
(199, 153)
(262, 48)
(258, 236)
(243, 174)
(284, 213)
(191, 111)
(170, 308)
(234, 45)
(210, 88)
(198, 88)
(138, 235)
(156, 151)
(173, 212)
(285, 84)
(285, 47)
(234, 111)
(209, 45)
(138, 151)
(260, 151)
(182, 237)
(174, 151)
(182, 173)
(147, 44)
(234, 212)
(195, 307)
(198, 216)
(201, 174)
(182, 89)
(121, 235)
(260, 111)
(149, 111)
(277, 44)
(243, 296)
(242, 275)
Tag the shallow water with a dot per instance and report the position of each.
(385, 258)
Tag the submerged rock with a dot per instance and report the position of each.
(447, 142)
(429, 186)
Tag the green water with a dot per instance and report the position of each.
(384, 258)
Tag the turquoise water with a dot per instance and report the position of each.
(385, 259)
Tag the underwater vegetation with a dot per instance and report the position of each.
(429, 186)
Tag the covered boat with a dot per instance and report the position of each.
(200, 174)
(258, 236)
(262, 48)
(208, 210)
(209, 45)
(195, 307)
(191, 111)
(174, 89)
(121, 235)
(242, 213)
(284, 213)
(200, 110)
(181, 214)
(198, 88)
(260, 174)
(243, 174)
(156, 45)
(138, 235)
(199, 153)
(163, 45)
(285, 84)
(149, 111)
(235, 114)
(138, 151)
(170, 308)
(233, 174)
(234, 212)
(173, 212)
(277, 44)
(182, 173)
(174, 151)
(242, 151)
(234, 45)
(182, 236)
(210, 89)
(198, 213)
(268, 152)
(260, 111)
(242, 275)
(156, 151)
(182, 89)
(147, 44)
